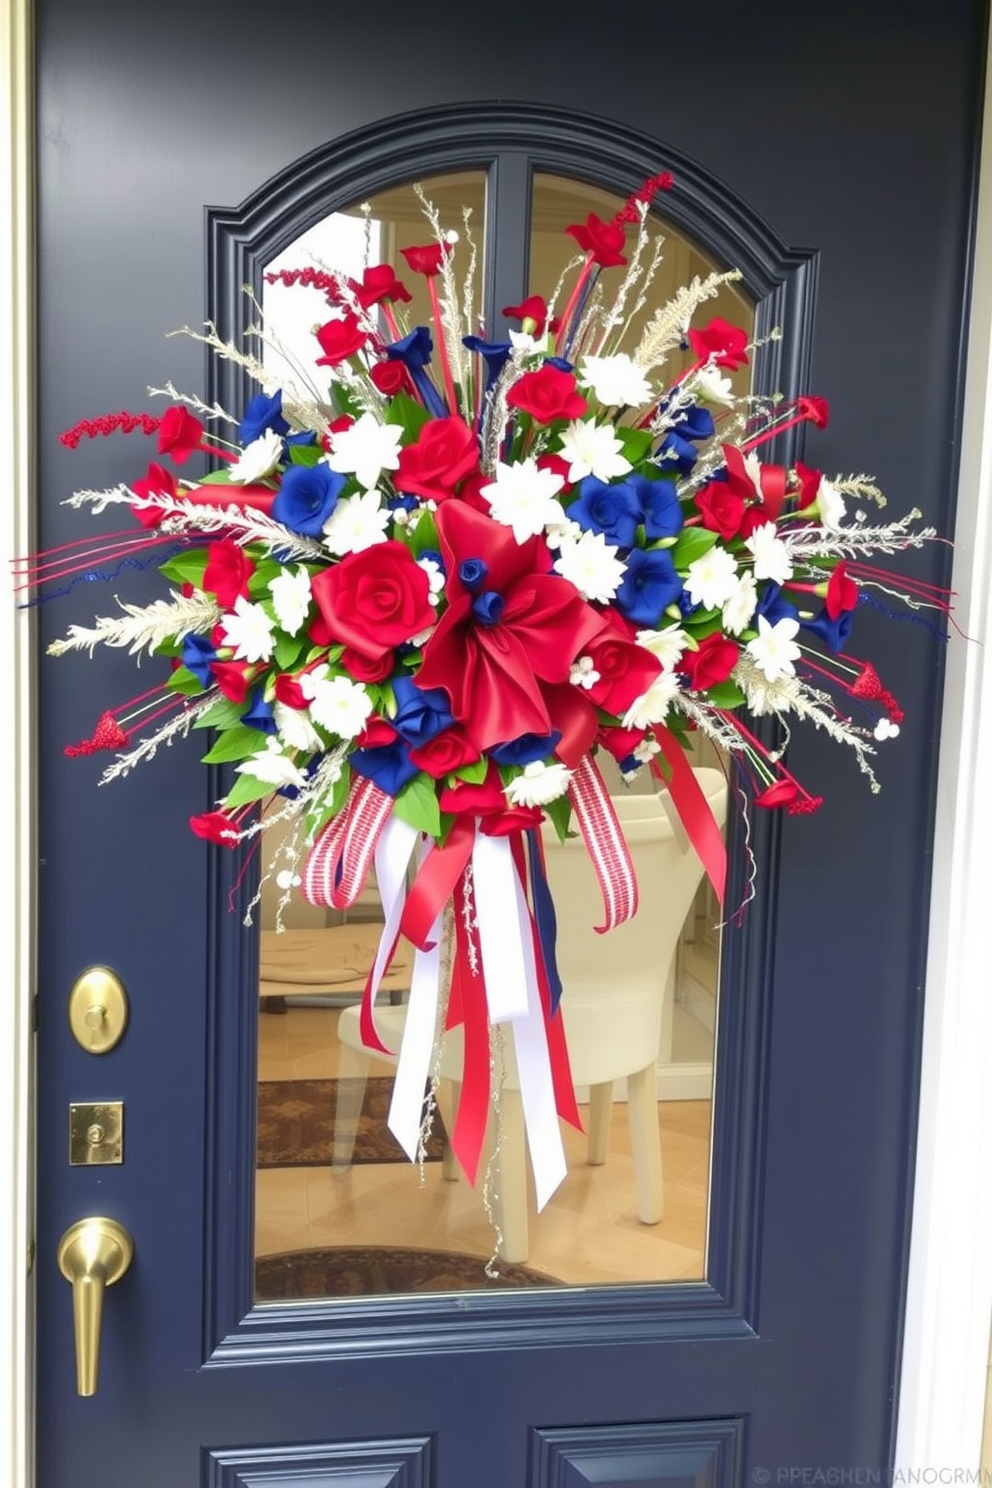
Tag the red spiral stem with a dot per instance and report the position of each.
(310, 278)
(109, 423)
(664, 181)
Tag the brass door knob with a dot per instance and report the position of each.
(92, 1255)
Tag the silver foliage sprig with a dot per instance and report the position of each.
(176, 728)
(852, 542)
(143, 627)
(245, 524)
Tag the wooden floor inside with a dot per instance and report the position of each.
(588, 1234)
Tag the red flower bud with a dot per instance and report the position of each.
(179, 434)
(603, 240)
(428, 259)
(720, 339)
(377, 284)
(340, 339)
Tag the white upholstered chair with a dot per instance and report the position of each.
(615, 991)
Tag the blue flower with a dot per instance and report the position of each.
(774, 607)
(198, 653)
(414, 351)
(472, 572)
(648, 587)
(487, 607)
(833, 633)
(389, 765)
(262, 413)
(306, 498)
(661, 509)
(526, 749)
(560, 363)
(495, 354)
(421, 712)
(676, 453)
(258, 714)
(613, 510)
(695, 422)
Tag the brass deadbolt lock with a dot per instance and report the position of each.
(98, 1010)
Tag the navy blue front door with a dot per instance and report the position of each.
(846, 143)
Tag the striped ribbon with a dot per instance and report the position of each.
(605, 844)
(338, 864)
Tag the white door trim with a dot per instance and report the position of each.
(950, 1282)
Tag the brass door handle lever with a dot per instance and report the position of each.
(92, 1255)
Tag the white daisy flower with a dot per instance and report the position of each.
(593, 449)
(774, 649)
(356, 523)
(667, 645)
(771, 556)
(522, 497)
(272, 766)
(592, 565)
(652, 706)
(712, 579)
(738, 609)
(365, 449)
(290, 591)
(249, 630)
(295, 728)
(257, 460)
(713, 387)
(539, 784)
(336, 703)
(615, 381)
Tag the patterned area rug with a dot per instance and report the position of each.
(377, 1270)
(297, 1118)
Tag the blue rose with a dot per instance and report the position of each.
(258, 714)
(263, 412)
(421, 712)
(198, 653)
(613, 510)
(833, 633)
(526, 749)
(389, 765)
(648, 587)
(677, 453)
(774, 607)
(306, 498)
(661, 510)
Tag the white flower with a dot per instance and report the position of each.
(593, 449)
(258, 460)
(771, 556)
(249, 630)
(356, 523)
(831, 504)
(365, 449)
(558, 532)
(886, 729)
(582, 673)
(272, 767)
(764, 698)
(435, 578)
(290, 591)
(773, 649)
(295, 728)
(336, 703)
(539, 784)
(615, 381)
(713, 387)
(667, 645)
(646, 750)
(712, 579)
(525, 344)
(592, 565)
(287, 879)
(652, 706)
(738, 609)
(523, 497)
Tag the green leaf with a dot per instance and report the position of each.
(692, 544)
(184, 681)
(265, 571)
(305, 454)
(237, 743)
(559, 813)
(246, 789)
(216, 478)
(287, 650)
(635, 443)
(223, 714)
(701, 626)
(407, 414)
(423, 537)
(725, 695)
(186, 568)
(417, 805)
(473, 774)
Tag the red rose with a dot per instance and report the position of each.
(446, 452)
(558, 465)
(391, 378)
(289, 692)
(626, 670)
(233, 678)
(722, 508)
(157, 482)
(444, 754)
(754, 516)
(366, 668)
(340, 339)
(214, 826)
(179, 434)
(470, 492)
(378, 283)
(488, 802)
(374, 600)
(227, 572)
(547, 394)
(376, 733)
(603, 240)
(621, 742)
(721, 340)
(428, 259)
(712, 663)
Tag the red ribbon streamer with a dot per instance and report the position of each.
(702, 827)
(435, 883)
(605, 844)
(469, 1135)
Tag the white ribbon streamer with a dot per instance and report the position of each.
(496, 885)
(419, 1032)
(392, 857)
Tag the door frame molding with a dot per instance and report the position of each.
(949, 1301)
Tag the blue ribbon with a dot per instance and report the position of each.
(544, 918)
